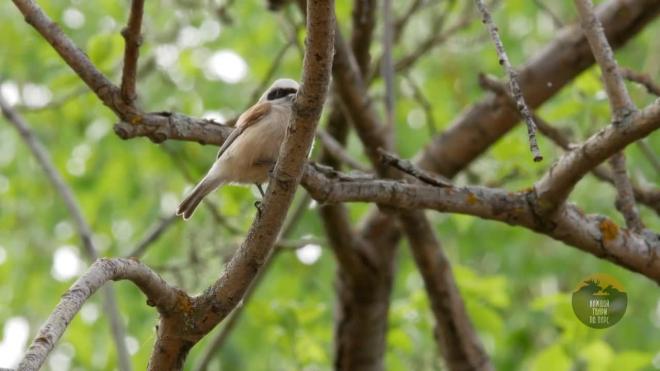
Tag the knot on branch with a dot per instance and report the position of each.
(121, 130)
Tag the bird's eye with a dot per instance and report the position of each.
(278, 93)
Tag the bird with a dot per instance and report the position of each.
(249, 153)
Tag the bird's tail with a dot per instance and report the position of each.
(189, 204)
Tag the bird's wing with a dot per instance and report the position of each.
(245, 120)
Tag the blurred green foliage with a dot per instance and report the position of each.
(516, 284)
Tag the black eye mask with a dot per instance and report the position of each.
(280, 93)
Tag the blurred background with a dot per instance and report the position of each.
(213, 59)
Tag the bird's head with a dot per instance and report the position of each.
(282, 91)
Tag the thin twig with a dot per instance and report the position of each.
(426, 104)
(43, 158)
(151, 236)
(133, 38)
(500, 90)
(649, 154)
(625, 201)
(335, 149)
(410, 169)
(641, 78)
(387, 66)
(513, 80)
(274, 66)
(55, 103)
(546, 9)
(404, 19)
(436, 37)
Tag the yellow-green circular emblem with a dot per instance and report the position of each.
(599, 301)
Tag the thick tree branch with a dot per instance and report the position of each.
(596, 235)
(557, 183)
(41, 155)
(288, 171)
(648, 197)
(454, 331)
(160, 126)
(350, 88)
(133, 39)
(364, 21)
(172, 347)
(210, 308)
(157, 291)
(220, 339)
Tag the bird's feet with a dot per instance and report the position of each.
(258, 205)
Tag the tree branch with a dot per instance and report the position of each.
(642, 79)
(625, 202)
(408, 168)
(133, 39)
(516, 93)
(41, 155)
(387, 66)
(557, 183)
(157, 291)
(364, 21)
(220, 339)
(151, 236)
(217, 301)
(458, 341)
(482, 124)
(596, 235)
(75, 58)
(288, 171)
(647, 197)
(171, 347)
(617, 93)
(336, 150)
(156, 126)
(375, 137)
(650, 155)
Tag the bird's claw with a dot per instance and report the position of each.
(258, 204)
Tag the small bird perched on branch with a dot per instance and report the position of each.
(251, 150)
